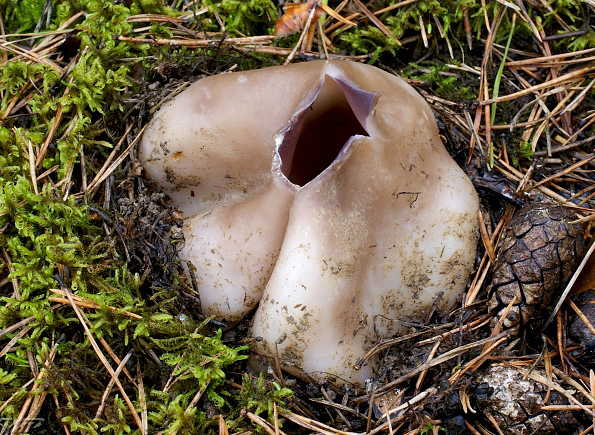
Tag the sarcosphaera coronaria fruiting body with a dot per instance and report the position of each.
(321, 193)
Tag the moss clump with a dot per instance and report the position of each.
(242, 17)
(455, 87)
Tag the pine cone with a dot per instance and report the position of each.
(539, 253)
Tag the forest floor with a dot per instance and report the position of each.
(102, 332)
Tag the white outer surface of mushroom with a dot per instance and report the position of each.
(345, 250)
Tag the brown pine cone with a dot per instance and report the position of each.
(539, 253)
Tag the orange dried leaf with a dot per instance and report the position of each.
(295, 17)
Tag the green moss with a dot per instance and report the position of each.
(406, 20)
(22, 14)
(449, 87)
(573, 13)
(447, 13)
(257, 397)
(243, 17)
(523, 151)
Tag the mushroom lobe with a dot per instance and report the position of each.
(323, 191)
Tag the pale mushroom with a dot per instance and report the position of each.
(325, 185)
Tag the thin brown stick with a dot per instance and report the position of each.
(32, 406)
(200, 43)
(31, 57)
(260, 422)
(566, 170)
(472, 429)
(110, 385)
(582, 316)
(32, 166)
(567, 143)
(114, 165)
(142, 399)
(87, 303)
(422, 375)
(110, 157)
(514, 174)
(476, 362)
(571, 76)
(560, 341)
(375, 20)
(52, 132)
(15, 283)
(15, 394)
(337, 410)
(486, 238)
(483, 269)
(495, 424)
(314, 425)
(537, 60)
(57, 403)
(102, 358)
(579, 98)
(222, 426)
(488, 348)
(546, 122)
(554, 386)
(193, 402)
(16, 326)
(469, 326)
(395, 6)
(13, 341)
(409, 404)
(392, 341)
(339, 406)
(561, 408)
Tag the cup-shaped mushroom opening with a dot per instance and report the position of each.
(317, 135)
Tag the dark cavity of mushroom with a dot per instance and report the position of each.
(316, 137)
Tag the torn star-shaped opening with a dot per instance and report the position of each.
(320, 133)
